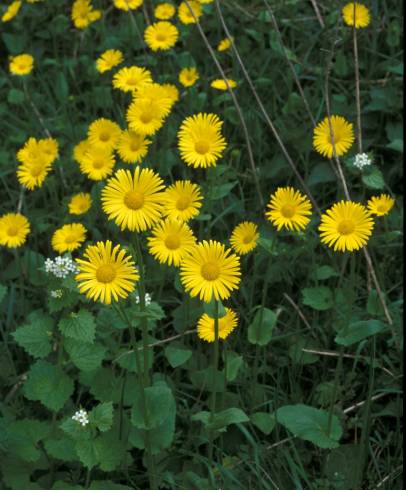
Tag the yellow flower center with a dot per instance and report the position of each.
(210, 271)
(288, 211)
(146, 118)
(70, 238)
(381, 208)
(183, 203)
(12, 230)
(132, 81)
(248, 239)
(134, 200)
(106, 273)
(134, 145)
(161, 37)
(104, 136)
(172, 241)
(202, 147)
(98, 163)
(36, 170)
(346, 227)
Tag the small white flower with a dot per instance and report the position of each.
(81, 417)
(148, 299)
(362, 160)
(61, 267)
(58, 293)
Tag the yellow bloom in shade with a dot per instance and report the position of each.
(201, 143)
(97, 164)
(83, 14)
(12, 11)
(80, 150)
(347, 226)
(161, 36)
(21, 64)
(210, 271)
(127, 4)
(164, 11)
(224, 44)
(226, 324)
(362, 17)
(68, 238)
(31, 175)
(108, 60)
(164, 95)
(36, 159)
(133, 201)
(50, 149)
(220, 84)
(381, 205)
(188, 77)
(172, 92)
(185, 15)
(171, 240)
(130, 79)
(80, 203)
(104, 134)
(106, 273)
(244, 237)
(343, 137)
(132, 147)
(289, 209)
(182, 200)
(145, 117)
(14, 228)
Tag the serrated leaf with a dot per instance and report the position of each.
(260, 330)
(320, 298)
(34, 338)
(102, 416)
(79, 326)
(63, 449)
(87, 453)
(358, 331)
(86, 357)
(374, 179)
(23, 436)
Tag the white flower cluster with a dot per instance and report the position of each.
(148, 299)
(61, 267)
(362, 160)
(58, 293)
(81, 417)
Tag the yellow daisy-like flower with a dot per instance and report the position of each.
(164, 11)
(362, 16)
(83, 14)
(188, 77)
(244, 237)
(185, 15)
(104, 134)
(171, 240)
(226, 324)
(80, 150)
(21, 64)
(210, 271)
(131, 79)
(14, 228)
(343, 134)
(165, 95)
(145, 117)
(172, 92)
(37, 152)
(289, 209)
(220, 84)
(107, 273)
(49, 148)
(134, 202)
(224, 45)
(182, 200)
(108, 60)
(31, 175)
(12, 11)
(127, 4)
(201, 143)
(381, 205)
(68, 238)
(161, 36)
(346, 226)
(132, 147)
(80, 203)
(97, 164)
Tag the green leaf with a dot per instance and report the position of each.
(63, 449)
(79, 326)
(310, 424)
(48, 384)
(34, 338)
(260, 330)
(67, 299)
(177, 354)
(324, 272)
(204, 379)
(264, 421)
(220, 191)
(108, 485)
(159, 402)
(342, 466)
(320, 174)
(3, 292)
(234, 363)
(86, 357)
(223, 419)
(320, 298)
(23, 436)
(110, 451)
(15, 96)
(374, 179)
(87, 453)
(102, 416)
(358, 331)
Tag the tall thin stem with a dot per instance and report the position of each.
(215, 369)
(357, 84)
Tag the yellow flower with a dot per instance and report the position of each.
(80, 150)
(224, 44)
(36, 159)
(49, 148)
(289, 209)
(14, 228)
(107, 273)
(161, 36)
(12, 11)
(80, 203)
(244, 237)
(343, 136)
(108, 60)
(130, 79)
(132, 147)
(210, 271)
(134, 202)
(165, 95)
(21, 64)
(172, 92)
(201, 143)
(381, 205)
(104, 134)
(83, 14)
(171, 240)
(31, 175)
(164, 11)
(362, 17)
(127, 4)
(226, 324)
(346, 226)
(182, 200)
(97, 164)
(220, 84)
(146, 117)
(188, 77)
(68, 238)
(185, 15)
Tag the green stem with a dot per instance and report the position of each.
(337, 377)
(215, 369)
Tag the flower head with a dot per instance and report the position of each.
(21, 64)
(132, 147)
(106, 273)
(343, 136)
(186, 16)
(146, 117)
(362, 16)
(347, 226)
(220, 84)
(81, 416)
(161, 36)
(80, 150)
(244, 237)
(182, 200)
(12, 11)
(104, 134)
(97, 163)
(68, 238)
(188, 76)
(108, 60)
(14, 228)
(131, 79)
(83, 14)
(289, 209)
(36, 159)
(362, 160)
(127, 4)
(61, 267)
(381, 205)
(224, 45)
(164, 11)
(80, 203)
(226, 324)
